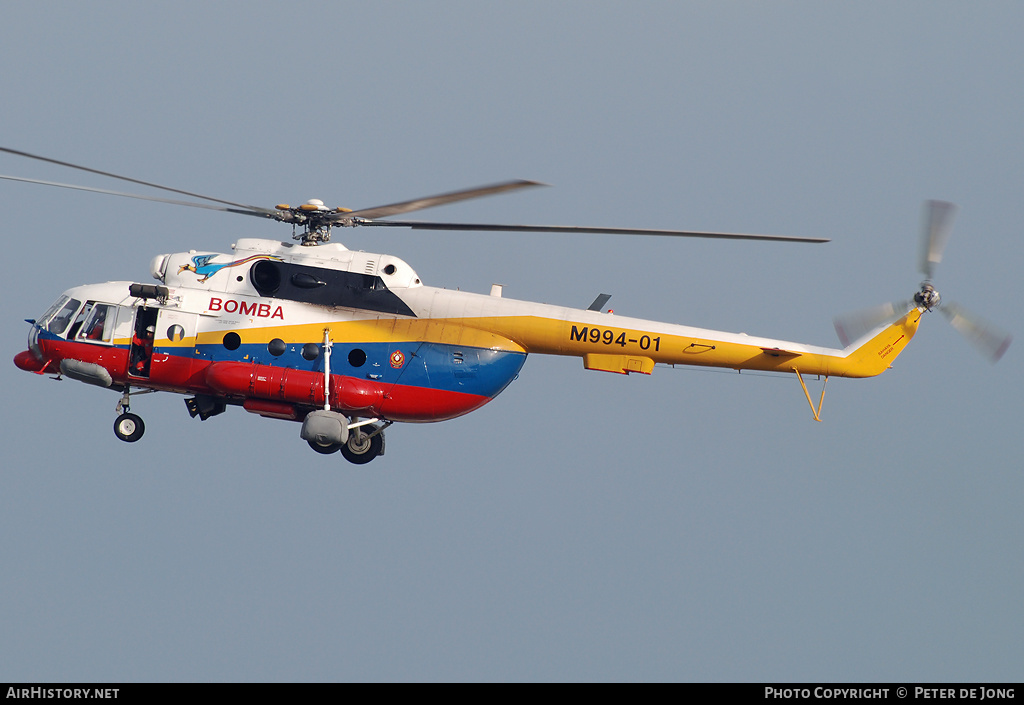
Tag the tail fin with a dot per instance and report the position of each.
(873, 353)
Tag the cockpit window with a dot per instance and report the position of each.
(79, 319)
(99, 323)
(57, 306)
(62, 319)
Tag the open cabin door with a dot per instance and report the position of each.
(140, 353)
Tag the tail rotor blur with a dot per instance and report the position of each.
(988, 338)
(852, 326)
(937, 224)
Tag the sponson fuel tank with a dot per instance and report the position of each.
(252, 380)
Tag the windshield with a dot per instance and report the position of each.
(57, 320)
(52, 310)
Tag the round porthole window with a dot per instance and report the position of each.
(232, 341)
(357, 358)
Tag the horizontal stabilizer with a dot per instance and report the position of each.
(779, 352)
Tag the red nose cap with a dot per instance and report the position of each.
(28, 362)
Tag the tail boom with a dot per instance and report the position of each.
(623, 345)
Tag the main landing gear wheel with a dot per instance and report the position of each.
(362, 447)
(129, 427)
(327, 449)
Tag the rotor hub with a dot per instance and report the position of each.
(314, 219)
(927, 297)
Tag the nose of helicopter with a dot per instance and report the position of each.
(27, 361)
(35, 358)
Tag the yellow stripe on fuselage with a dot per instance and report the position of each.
(603, 344)
(566, 337)
(379, 330)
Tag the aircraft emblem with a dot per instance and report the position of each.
(202, 267)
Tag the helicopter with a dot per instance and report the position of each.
(348, 343)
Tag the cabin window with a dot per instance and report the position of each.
(357, 357)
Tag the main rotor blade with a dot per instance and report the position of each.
(487, 227)
(261, 213)
(438, 200)
(937, 226)
(135, 181)
(990, 340)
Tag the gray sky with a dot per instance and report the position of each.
(692, 525)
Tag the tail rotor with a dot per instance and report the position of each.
(937, 224)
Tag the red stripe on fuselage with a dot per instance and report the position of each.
(349, 394)
(114, 360)
(185, 375)
(169, 373)
(424, 404)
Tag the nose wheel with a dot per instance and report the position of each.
(129, 427)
